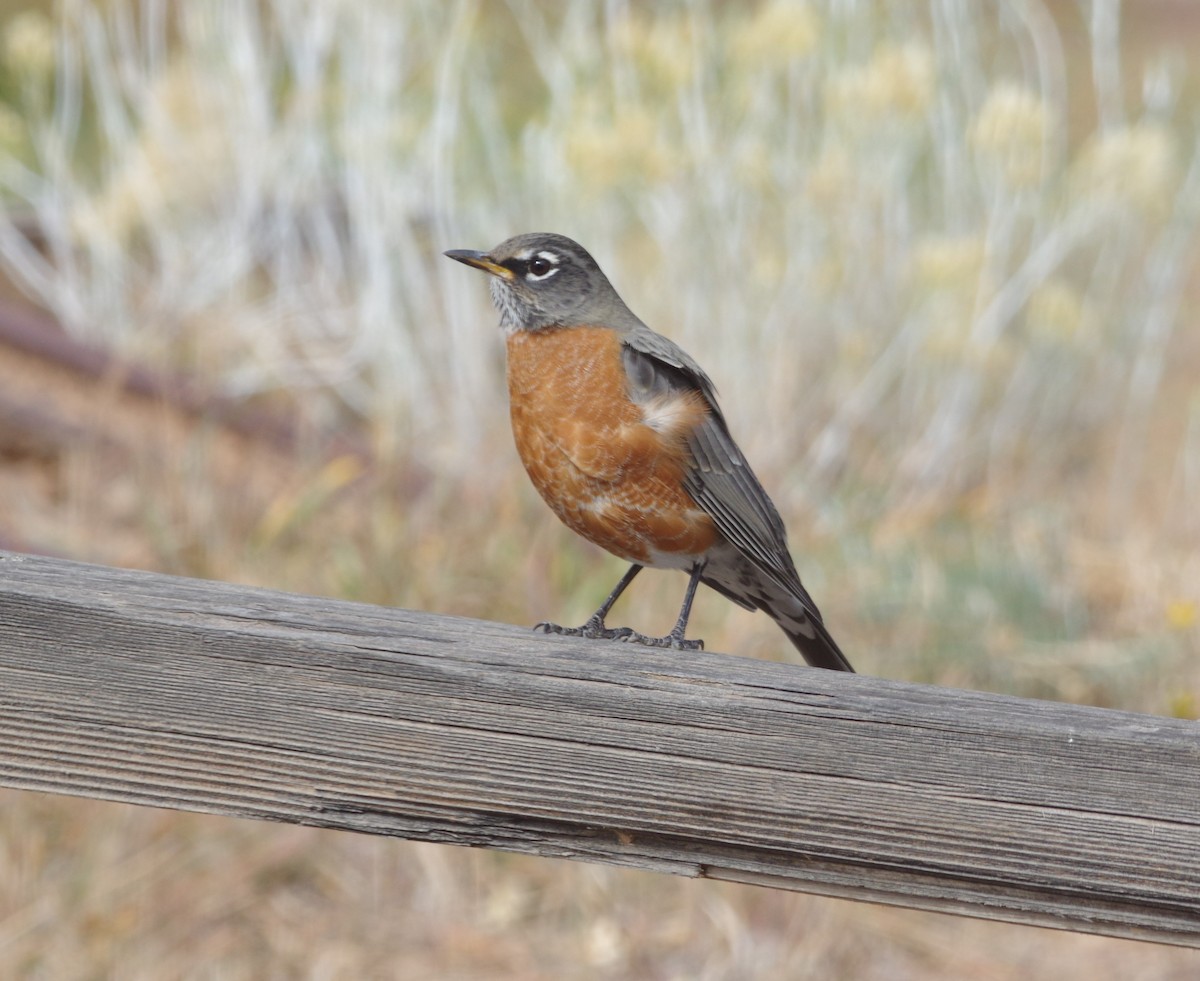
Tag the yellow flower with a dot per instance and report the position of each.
(1137, 166)
(907, 72)
(752, 165)
(947, 328)
(897, 81)
(1182, 614)
(661, 50)
(947, 263)
(606, 152)
(12, 129)
(176, 167)
(1182, 705)
(779, 33)
(29, 44)
(1056, 312)
(1009, 134)
(831, 179)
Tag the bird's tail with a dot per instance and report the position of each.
(812, 639)
(789, 605)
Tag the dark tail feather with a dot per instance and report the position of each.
(803, 626)
(813, 641)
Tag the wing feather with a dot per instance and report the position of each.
(719, 478)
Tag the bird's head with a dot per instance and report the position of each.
(542, 280)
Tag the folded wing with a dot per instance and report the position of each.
(719, 478)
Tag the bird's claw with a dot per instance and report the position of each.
(671, 641)
(595, 629)
(592, 630)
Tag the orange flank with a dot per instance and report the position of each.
(611, 469)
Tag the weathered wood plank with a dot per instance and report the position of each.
(212, 697)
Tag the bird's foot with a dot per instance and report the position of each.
(594, 629)
(674, 641)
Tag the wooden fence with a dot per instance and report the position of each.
(211, 697)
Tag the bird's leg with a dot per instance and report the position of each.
(675, 639)
(595, 629)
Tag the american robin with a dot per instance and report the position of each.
(620, 432)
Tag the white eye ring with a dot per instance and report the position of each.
(542, 266)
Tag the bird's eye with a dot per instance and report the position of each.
(541, 266)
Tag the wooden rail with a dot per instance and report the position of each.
(211, 697)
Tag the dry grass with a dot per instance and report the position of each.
(939, 289)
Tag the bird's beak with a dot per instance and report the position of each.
(480, 260)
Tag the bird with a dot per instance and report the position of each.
(620, 431)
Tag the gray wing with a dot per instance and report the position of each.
(720, 479)
(653, 372)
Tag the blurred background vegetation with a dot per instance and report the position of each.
(940, 258)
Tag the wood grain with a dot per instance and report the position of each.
(219, 698)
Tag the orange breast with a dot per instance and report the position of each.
(610, 477)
